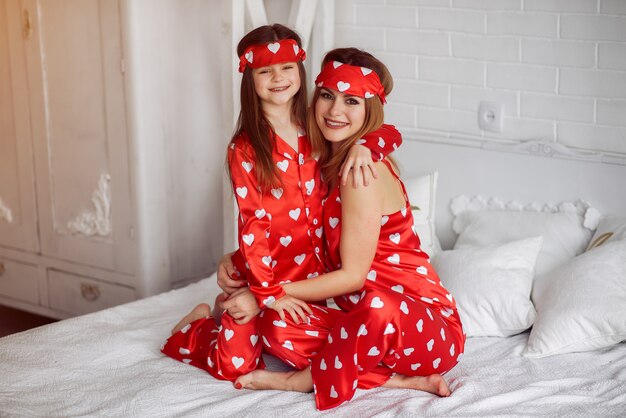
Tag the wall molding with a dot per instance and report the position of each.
(531, 147)
(5, 212)
(97, 222)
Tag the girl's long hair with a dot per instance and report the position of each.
(252, 122)
(374, 114)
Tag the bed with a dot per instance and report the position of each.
(109, 363)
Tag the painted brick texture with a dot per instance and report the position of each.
(558, 66)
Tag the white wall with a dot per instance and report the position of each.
(558, 66)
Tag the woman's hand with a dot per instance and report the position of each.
(295, 307)
(359, 158)
(227, 275)
(242, 306)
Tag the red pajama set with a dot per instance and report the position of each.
(402, 321)
(280, 240)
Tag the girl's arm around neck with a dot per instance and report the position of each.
(361, 213)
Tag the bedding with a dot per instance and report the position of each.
(108, 363)
(581, 305)
(492, 286)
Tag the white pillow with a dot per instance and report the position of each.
(581, 306)
(566, 228)
(611, 228)
(491, 286)
(422, 192)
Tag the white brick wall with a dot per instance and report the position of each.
(558, 66)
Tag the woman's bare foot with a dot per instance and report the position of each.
(434, 383)
(217, 308)
(203, 310)
(296, 381)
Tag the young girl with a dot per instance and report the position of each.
(278, 189)
(399, 326)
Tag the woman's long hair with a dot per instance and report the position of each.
(374, 114)
(252, 122)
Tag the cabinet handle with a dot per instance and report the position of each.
(91, 292)
(2, 269)
(27, 27)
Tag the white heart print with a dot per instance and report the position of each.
(277, 193)
(295, 214)
(373, 351)
(237, 361)
(296, 49)
(381, 142)
(280, 324)
(312, 333)
(246, 166)
(422, 270)
(338, 364)
(333, 392)
(377, 303)
(333, 222)
(299, 259)
(269, 301)
(283, 165)
(185, 328)
(267, 260)
(259, 213)
(365, 70)
(429, 344)
(273, 47)
(242, 192)
(354, 298)
(288, 345)
(248, 239)
(395, 238)
(415, 366)
(285, 241)
(394, 259)
(404, 308)
(389, 330)
(228, 334)
(420, 325)
(337, 64)
(384, 220)
(184, 351)
(398, 288)
(322, 365)
(342, 86)
(436, 363)
(371, 275)
(344, 334)
(249, 56)
(254, 339)
(362, 330)
(368, 95)
(408, 351)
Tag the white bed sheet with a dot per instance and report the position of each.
(109, 363)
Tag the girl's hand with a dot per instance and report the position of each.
(359, 158)
(242, 306)
(227, 275)
(295, 307)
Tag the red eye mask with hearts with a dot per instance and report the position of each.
(351, 79)
(263, 55)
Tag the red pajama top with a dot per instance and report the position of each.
(280, 230)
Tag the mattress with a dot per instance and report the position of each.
(109, 363)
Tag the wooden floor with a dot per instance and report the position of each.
(13, 320)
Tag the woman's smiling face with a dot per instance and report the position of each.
(339, 116)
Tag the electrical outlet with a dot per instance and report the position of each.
(490, 116)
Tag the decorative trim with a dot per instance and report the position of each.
(530, 147)
(459, 204)
(5, 212)
(98, 222)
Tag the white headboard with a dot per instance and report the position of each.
(526, 173)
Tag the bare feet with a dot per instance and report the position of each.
(203, 310)
(217, 308)
(296, 381)
(434, 383)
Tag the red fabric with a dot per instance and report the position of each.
(351, 79)
(403, 320)
(257, 56)
(225, 352)
(291, 241)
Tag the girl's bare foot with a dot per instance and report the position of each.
(217, 308)
(434, 383)
(296, 381)
(203, 310)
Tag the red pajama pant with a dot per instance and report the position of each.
(385, 333)
(225, 352)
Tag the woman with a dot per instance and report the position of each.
(398, 326)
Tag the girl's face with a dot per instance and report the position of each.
(276, 84)
(339, 116)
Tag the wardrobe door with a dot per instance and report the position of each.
(75, 64)
(18, 221)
